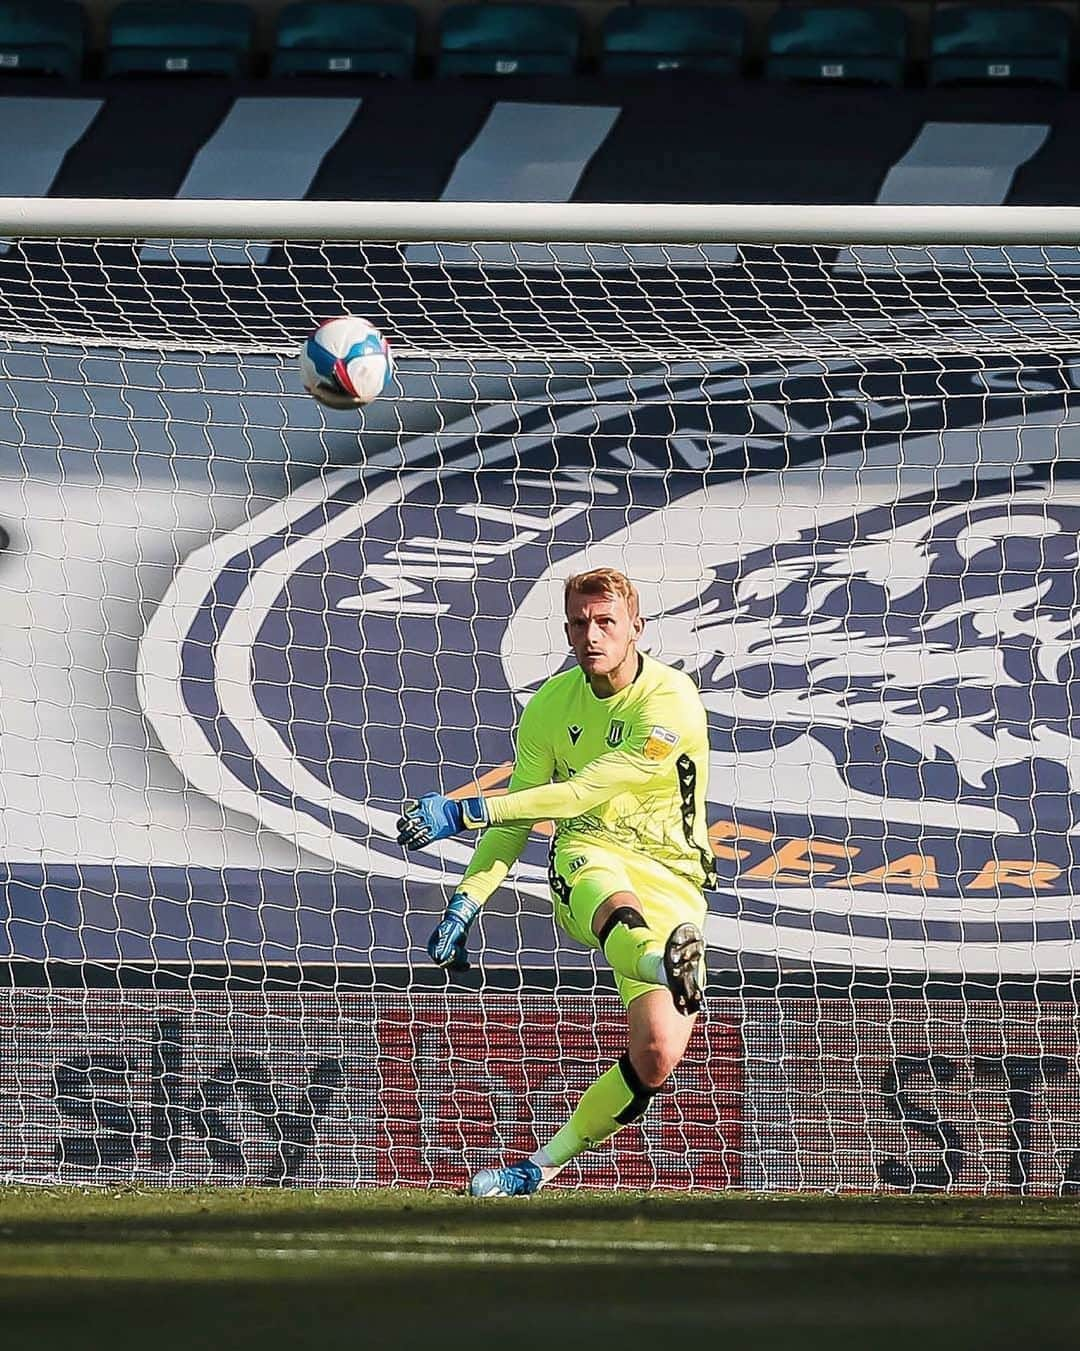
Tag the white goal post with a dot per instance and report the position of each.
(836, 447)
(552, 222)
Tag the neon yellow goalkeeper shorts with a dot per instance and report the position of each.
(584, 876)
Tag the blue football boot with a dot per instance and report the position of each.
(513, 1179)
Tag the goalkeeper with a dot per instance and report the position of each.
(616, 753)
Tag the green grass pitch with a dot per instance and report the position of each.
(244, 1269)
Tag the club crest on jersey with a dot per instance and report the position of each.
(575, 734)
(891, 671)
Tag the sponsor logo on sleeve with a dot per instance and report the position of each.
(659, 744)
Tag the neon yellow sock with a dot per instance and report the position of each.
(637, 954)
(611, 1102)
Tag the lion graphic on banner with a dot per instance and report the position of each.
(912, 662)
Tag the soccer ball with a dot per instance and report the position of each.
(346, 363)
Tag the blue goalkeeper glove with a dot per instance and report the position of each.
(436, 817)
(446, 946)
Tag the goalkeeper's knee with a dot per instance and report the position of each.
(625, 915)
(632, 948)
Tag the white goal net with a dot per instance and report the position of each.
(237, 631)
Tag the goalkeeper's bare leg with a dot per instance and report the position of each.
(658, 1037)
(659, 1023)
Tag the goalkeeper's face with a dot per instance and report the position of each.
(603, 633)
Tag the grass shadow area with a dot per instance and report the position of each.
(131, 1214)
(815, 1307)
(258, 1269)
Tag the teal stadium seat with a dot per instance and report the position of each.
(345, 39)
(1027, 44)
(846, 45)
(639, 39)
(42, 37)
(192, 37)
(509, 40)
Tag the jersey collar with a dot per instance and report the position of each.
(610, 699)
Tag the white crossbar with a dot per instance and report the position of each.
(61, 217)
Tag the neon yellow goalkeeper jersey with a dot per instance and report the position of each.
(628, 772)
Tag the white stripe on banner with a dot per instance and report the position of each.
(524, 152)
(530, 152)
(35, 136)
(959, 164)
(534, 152)
(265, 148)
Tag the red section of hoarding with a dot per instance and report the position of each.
(466, 1083)
(339, 1089)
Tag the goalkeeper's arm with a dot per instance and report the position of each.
(647, 753)
(496, 853)
(436, 817)
(628, 770)
(500, 846)
(497, 850)
(623, 771)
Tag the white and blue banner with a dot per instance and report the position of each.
(616, 139)
(234, 641)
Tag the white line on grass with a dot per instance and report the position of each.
(472, 1257)
(512, 1241)
(433, 1249)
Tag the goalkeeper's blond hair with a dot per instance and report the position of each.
(603, 582)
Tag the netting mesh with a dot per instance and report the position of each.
(238, 631)
(548, 301)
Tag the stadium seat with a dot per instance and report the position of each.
(863, 46)
(508, 40)
(349, 39)
(41, 37)
(191, 37)
(1028, 44)
(676, 37)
